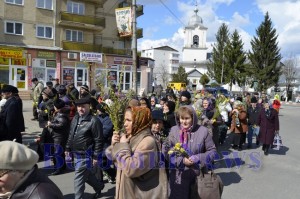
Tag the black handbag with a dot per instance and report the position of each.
(209, 186)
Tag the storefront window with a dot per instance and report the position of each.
(4, 74)
(68, 75)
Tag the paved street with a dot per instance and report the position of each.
(246, 174)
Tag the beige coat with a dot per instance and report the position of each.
(138, 175)
(37, 90)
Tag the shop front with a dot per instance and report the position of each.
(13, 68)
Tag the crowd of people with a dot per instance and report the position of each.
(76, 126)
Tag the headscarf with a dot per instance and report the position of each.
(141, 119)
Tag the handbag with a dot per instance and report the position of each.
(277, 143)
(209, 186)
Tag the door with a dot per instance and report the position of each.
(81, 77)
(19, 77)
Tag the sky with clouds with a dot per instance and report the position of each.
(163, 21)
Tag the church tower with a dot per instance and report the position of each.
(194, 48)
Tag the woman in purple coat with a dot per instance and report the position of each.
(268, 122)
(199, 146)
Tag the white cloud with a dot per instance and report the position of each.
(239, 20)
(286, 19)
(169, 20)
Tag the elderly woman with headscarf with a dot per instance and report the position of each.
(239, 125)
(268, 122)
(135, 155)
(20, 176)
(199, 146)
(211, 118)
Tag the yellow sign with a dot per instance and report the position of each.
(4, 61)
(18, 54)
(20, 84)
(21, 62)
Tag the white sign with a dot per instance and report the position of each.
(91, 57)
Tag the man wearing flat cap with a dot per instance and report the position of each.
(85, 143)
(11, 116)
(36, 92)
(20, 177)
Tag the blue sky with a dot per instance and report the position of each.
(161, 27)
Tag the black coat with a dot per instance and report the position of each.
(85, 135)
(60, 127)
(37, 186)
(107, 128)
(11, 121)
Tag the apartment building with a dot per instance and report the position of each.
(65, 39)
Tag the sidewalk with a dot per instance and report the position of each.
(32, 129)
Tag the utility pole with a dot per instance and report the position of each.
(134, 47)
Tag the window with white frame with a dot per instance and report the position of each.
(74, 35)
(17, 2)
(46, 4)
(12, 27)
(75, 7)
(44, 31)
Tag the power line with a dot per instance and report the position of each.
(171, 12)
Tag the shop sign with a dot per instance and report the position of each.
(91, 57)
(4, 61)
(20, 62)
(81, 64)
(51, 63)
(123, 61)
(68, 75)
(18, 54)
(46, 55)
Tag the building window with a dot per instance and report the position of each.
(196, 40)
(75, 8)
(14, 28)
(17, 2)
(46, 4)
(44, 32)
(74, 35)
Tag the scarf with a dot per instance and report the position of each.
(184, 136)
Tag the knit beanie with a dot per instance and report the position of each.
(15, 156)
(85, 87)
(59, 104)
(186, 94)
(157, 115)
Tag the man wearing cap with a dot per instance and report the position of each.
(185, 98)
(72, 92)
(49, 86)
(85, 143)
(37, 90)
(252, 115)
(84, 92)
(11, 117)
(20, 177)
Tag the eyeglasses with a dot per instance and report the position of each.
(2, 173)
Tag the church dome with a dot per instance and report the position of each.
(195, 19)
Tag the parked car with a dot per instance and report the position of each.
(216, 90)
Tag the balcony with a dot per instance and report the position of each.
(69, 45)
(139, 33)
(82, 21)
(109, 50)
(97, 2)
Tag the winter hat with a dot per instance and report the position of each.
(102, 107)
(85, 100)
(186, 94)
(85, 87)
(62, 89)
(157, 115)
(48, 92)
(253, 100)
(15, 156)
(8, 89)
(59, 104)
(34, 79)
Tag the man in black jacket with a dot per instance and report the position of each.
(252, 115)
(11, 117)
(85, 143)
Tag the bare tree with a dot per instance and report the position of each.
(162, 75)
(290, 72)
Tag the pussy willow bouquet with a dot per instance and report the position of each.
(178, 150)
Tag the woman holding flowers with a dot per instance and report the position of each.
(135, 155)
(189, 148)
